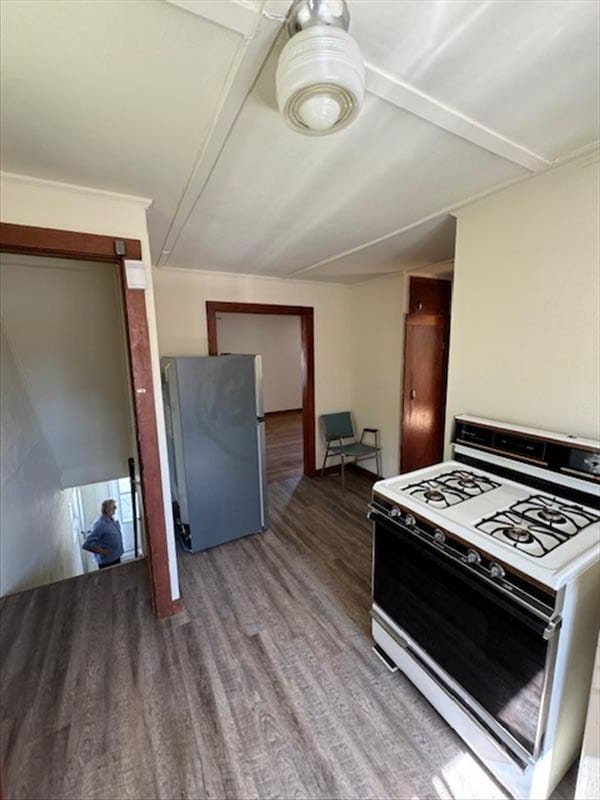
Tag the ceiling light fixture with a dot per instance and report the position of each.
(321, 75)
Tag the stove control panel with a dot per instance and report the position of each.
(578, 458)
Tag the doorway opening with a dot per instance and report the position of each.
(426, 340)
(111, 251)
(67, 415)
(85, 503)
(286, 339)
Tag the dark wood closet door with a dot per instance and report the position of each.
(425, 367)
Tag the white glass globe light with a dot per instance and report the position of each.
(319, 111)
(320, 80)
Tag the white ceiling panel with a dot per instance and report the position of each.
(278, 201)
(149, 97)
(428, 243)
(525, 68)
(114, 95)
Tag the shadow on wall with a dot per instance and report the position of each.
(36, 542)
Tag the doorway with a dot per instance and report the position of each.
(24, 239)
(67, 400)
(290, 431)
(427, 331)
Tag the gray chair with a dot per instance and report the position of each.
(340, 440)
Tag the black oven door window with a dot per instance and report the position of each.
(491, 646)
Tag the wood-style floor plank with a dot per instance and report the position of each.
(285, 456)
(265, 687)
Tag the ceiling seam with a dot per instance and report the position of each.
(232, 75)
(580, 152)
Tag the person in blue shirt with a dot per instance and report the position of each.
(105, 540)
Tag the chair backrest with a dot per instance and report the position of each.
(337, 426)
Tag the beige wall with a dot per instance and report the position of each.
(36, 540)
(65, 324)
(277, 338)
(525, 339)
(376, 334)
(181, 315)
(359, 338)
(28, 201)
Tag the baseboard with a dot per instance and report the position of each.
(335, 470)
(285, 411)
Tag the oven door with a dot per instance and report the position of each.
(492, 646)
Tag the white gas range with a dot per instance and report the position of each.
(486, 590)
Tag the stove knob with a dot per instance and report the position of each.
(496, 571)
(395, 512)
(473, 557)
(439, 536)
(410, 520)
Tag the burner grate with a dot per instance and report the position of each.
(450, 488)
(538, 524)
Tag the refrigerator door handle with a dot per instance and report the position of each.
(262, 472)
(260, 409)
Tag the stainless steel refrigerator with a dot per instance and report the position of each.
(216, 440)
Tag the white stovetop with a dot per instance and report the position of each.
(553, 569)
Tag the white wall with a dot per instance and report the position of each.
(278, 340)
(36, 542)
(181, 315)
(525, 339)
(28, 201)
(65, 325)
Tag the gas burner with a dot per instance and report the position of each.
(469, 483)
(538, 524)
(466, 483)
(556, 514)
(450, 488)
(434, 493)
(552, 516)
(433, 496)
(517, 534)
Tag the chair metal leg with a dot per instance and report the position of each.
(325, 461)
(378, 461)
(343, 475)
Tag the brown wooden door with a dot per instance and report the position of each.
(425, 367)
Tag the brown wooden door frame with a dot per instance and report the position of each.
(306, 314)
(433, 310)
(29, 240)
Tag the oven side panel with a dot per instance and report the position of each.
(572, 679)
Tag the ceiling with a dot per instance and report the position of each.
(174, 100)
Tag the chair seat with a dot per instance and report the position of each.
(353, 449)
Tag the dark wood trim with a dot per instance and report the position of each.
(429, 303)
(306, 314)
(148, 451)
(92, 247)
(226, 307)
(66, 244)
(283, 412)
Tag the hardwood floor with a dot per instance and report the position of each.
(265, 687)
(285, 458)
